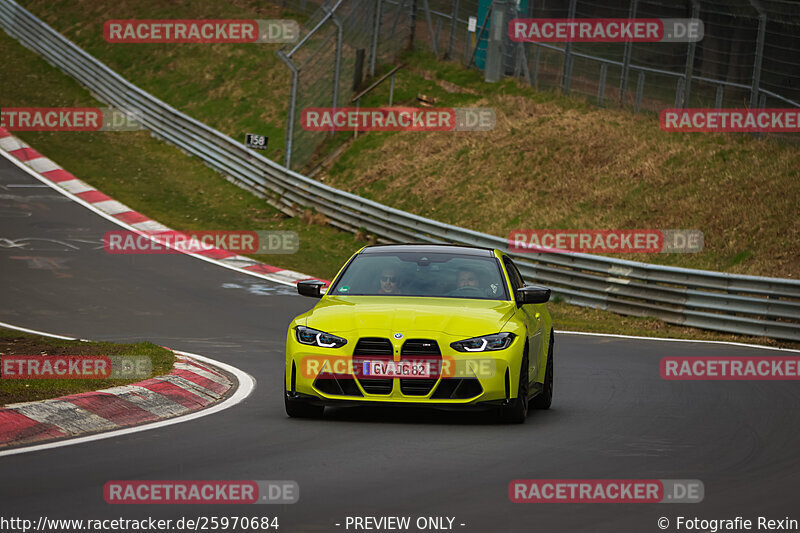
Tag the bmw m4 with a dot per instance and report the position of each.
(434, 325)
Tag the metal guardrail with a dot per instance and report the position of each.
(749, 305)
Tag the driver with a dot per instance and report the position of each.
(466, 278)
(390, 281)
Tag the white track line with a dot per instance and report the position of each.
(246, 385)
(669, 339)
(130, 227)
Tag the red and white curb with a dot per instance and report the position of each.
(197, 386)
(50, 173)
(189, 387)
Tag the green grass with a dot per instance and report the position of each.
(531, 172)
(26, 390)
(156, 178)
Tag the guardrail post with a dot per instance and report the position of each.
(762, 30)
(376, 28)
(626, 57)
(567, 69)
(287, 158)
(453, 21)
(690, 58)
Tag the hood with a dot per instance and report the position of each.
(455, 316)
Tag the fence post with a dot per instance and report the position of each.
(287, 158)
(679, 90)
(453, 22)
(762, 29)
(567, 69)
(430, 29)
(626, 57)
(639, 92)
(480, 32)
(412, 24)
(376, 28)
(718, 102)
(690, 58)
(522, 58)
(338, 62)
(536, 52)
(400, 5)
(601, 87)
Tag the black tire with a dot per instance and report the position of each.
(544, 399)
(517, 411)
(296, 408)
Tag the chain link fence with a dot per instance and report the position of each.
(749, 55)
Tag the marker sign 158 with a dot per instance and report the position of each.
(256, 141)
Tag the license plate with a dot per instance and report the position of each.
(395, 369)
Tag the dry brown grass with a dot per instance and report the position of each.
(547, 166)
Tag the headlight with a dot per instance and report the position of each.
(485, 343)
(315, 337)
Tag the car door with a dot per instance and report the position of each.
(533, 321)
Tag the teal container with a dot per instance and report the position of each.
(483, 9)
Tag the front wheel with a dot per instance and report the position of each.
(297, 408)
(545, 398)
(517, 411)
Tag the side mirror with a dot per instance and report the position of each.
(533, 294)
(310, 287)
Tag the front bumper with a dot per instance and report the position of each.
(475, 380)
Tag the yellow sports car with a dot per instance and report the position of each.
(432, 325)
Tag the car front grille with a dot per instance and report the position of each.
(420, 350)
(374, 348)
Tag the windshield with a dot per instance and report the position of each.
(444, 275)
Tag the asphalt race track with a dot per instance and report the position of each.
(613, 416)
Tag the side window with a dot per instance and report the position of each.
(519, 275)
(513, 274)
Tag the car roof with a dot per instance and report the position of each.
(428, 249)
